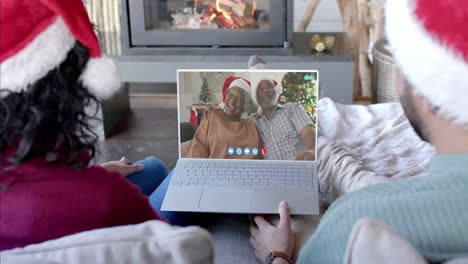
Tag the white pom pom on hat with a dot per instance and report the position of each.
(35, 38)
(428, 40)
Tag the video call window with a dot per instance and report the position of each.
(260, 114)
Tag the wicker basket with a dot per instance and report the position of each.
(383, 75)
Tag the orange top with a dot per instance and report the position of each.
(216, 134)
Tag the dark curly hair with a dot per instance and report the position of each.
(50, 118)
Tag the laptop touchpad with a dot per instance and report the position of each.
(225, 199)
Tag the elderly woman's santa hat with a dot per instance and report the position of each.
(237, 82)
(35, 38)
(428, 39)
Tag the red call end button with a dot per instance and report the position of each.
(263, 151)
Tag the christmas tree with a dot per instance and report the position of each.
(205, 95)
(301, 87)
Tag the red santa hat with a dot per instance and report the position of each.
(236, 82)
(428, 40)
(241, 83)
(36, 36)
(256, 81)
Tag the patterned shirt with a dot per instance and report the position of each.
(282, 133)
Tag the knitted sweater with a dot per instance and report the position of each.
(430, 212)
(51, 200)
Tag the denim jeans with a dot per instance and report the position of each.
(153, 181)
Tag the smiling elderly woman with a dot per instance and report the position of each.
(220, 131)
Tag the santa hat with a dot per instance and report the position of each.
(236, 82)
(256, 81)
(35, 38)
(428, 40)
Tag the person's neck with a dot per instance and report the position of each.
(231, 118)
(450, 139)
(268, 112)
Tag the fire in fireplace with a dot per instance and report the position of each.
(220, 14)
(162, 25)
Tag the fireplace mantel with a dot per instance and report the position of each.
(336, 70)
(336, 67)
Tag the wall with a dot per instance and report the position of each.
(326, 18)
(192, 82)
(191, 88)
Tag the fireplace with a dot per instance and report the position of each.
(207, 26)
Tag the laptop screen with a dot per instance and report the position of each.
(247, 114)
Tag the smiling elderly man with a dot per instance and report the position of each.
(287, 130)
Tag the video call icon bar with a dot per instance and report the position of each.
(246, 151)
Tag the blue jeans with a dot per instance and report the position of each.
(153, 181)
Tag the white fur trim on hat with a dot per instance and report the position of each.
(241, 84)
(101, 77)
(434, 69)
(44, 53)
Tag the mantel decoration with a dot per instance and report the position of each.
(319, 44)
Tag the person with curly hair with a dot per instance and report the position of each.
(52, 73)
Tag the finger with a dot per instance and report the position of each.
(300, 156)
(125, 161)
(261, 222)
(285, 218)
(135, 168)
(254, 231)
(253, 242)
(309, 156)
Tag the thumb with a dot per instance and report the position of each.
(125, 160)
(284, 212)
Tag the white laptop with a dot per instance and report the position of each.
(245, 179)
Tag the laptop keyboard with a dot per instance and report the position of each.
(206, 173)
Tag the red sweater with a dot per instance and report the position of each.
(56, 201)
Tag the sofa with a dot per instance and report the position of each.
(371, 241)
(356, 144)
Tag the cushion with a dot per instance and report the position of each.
(149, 242)
(360, 146)
(373, 241)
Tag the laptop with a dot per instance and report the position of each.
(229, 175)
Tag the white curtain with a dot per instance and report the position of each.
(105, 16)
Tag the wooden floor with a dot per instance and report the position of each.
(144, 132)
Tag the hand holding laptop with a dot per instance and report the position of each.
(266, 238)
(307, 155)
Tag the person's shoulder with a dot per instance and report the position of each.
(214, 115)
(292, 105)
(249, 122)
(253, 117)
(209, 117)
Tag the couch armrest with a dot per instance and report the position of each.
(149, 242)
